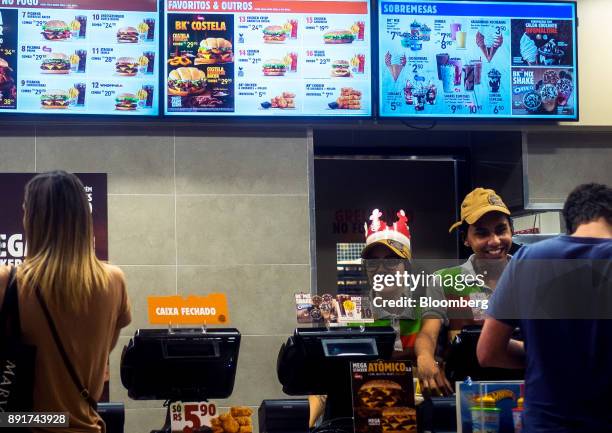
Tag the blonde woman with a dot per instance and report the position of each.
(86, 299)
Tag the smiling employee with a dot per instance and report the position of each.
(485, 228)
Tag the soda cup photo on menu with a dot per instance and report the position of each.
(82, 19)
(358, 63)
(82, 55)
(80, 99)
(150, 22)
(358, 30)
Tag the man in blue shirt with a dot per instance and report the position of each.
(559, 293)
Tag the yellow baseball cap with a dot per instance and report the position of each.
(477, 203)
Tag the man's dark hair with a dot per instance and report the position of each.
(587, 203)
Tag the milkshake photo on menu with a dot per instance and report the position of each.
(541, 91)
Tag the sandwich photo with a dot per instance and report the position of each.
(274, 34)
(205, 101)
(56, 63)
(398, 420)
(338, 37)
(274, 67)
(340, 68)
(55, 99)
(379, 394)
(127, 35)
(214, 50)
(56, 30)
(126, 66)
(186, 81)
(126, 102)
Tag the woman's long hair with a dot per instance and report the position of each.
(60, 242)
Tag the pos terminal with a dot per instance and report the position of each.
(185, 364)
(317, 361)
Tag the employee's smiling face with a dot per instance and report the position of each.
(490, 237)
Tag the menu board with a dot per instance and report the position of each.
(79, 57)
(477, 59)
(268, 58)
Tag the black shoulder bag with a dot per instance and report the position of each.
(71, 370)
(17, 359)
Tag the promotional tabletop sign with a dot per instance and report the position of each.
(191, 310)
(268, 58)
(383, 397)
(12, 238)
(339, 309)
(486, 405)
(203, 417)
(483, 59)
(79, 57)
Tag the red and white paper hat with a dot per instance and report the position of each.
(396, 237)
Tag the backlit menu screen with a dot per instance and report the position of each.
(79, 57)
(477, 59)
(268, 58)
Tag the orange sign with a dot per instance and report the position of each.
(193, 310)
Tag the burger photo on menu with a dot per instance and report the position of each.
(56, 30)
(379, 394)
(274, 34)
(383, 397)
(399, 420)
(214, 50)
(186, 81)
(55, 99)
(126, 66)
(340, 68)
(56, 63)
(127, 35)
(274, 67)
(339, 37)
(126, 102)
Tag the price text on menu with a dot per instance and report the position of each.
(86, 57)
(265, 58)
(477, 59)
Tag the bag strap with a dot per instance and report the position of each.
(73, 375)
(9, 316)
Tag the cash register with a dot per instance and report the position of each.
(184, 364)
(316, 361)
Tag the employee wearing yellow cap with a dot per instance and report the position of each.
(486, 228)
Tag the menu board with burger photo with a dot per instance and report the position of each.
(87, 59)
(200, 63)
(306, 58)
(383, 397)
(8, 59)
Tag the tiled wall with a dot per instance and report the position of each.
(191, 213)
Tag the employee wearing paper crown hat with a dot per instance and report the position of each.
(387, 251)
(486, 228)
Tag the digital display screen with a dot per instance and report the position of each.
(81, 57)
(268, 58)
(477, 59)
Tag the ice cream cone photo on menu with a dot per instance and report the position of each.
(395, 68)
(529, 50)
(480, 42)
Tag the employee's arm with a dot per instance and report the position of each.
(432, 377)
(497, 349)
